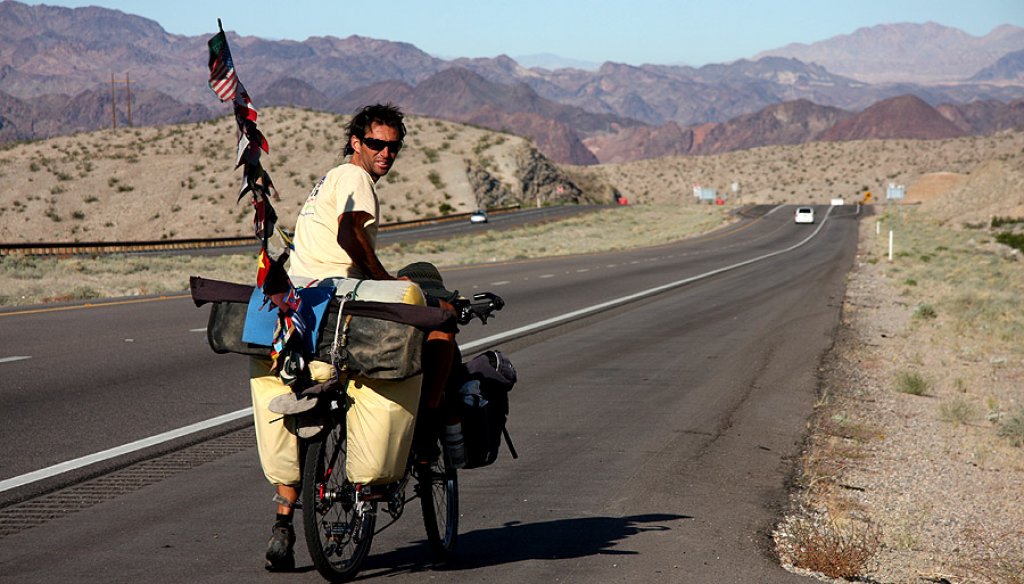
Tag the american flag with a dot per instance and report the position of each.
(223, 81)
(271, 276)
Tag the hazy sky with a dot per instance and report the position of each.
(625, 31)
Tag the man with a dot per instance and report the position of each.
(337, 227)
(335, 236)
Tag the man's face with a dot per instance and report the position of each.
(377, 151)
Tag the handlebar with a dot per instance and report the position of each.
(482, 306)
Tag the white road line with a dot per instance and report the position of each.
(490, 341)
(582, 270)
(198, 330)
(484, 342)
(14, 358)
(500, 283)
(546, 276)
(77, 463)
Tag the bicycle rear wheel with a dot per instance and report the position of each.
(338, 530)
(438, 488)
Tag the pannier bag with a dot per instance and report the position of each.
(385, 357)
(371, 347)
(379, 427)
(227, 315)
(483, 407)
(384, 338)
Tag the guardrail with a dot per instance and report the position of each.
(104, 247)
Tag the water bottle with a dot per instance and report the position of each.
(454, 446)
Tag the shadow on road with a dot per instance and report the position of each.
(516, 542)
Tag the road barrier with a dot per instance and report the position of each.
(63, 249)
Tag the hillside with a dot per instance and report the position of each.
(56, 66)
(172, 182)
(819, 171)
(177, 181)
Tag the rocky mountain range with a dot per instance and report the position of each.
(56, 63)
(926, 53)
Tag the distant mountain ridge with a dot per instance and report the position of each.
(54, 60)
(926, 53)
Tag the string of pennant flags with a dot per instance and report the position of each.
(271, 277)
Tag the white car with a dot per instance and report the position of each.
(804, 215)
(478, 216)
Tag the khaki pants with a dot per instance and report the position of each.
(275, 436)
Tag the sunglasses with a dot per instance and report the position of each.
(378, 145)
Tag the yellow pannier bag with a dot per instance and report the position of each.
(382, 413)
(380, 423)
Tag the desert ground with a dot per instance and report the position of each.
(914, 461)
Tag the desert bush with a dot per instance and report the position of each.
(435, 179)
(837, 550)
(1001, 221)
(1013, 429)
(913, 383)
(924, 311)
(995, 564)
(1014, 240)
(82, 293)
(957, 411)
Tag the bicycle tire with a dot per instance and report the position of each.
(437, 485)
(337, 534)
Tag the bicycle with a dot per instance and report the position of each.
(340, 517)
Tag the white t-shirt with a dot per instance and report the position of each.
(317, 255)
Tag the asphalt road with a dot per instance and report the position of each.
(655, 436)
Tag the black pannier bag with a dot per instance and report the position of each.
(483, 407)
(227, 317)
(382, 340)
(371, 347)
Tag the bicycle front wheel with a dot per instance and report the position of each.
(438, 488)
(338, 530)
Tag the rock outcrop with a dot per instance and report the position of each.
(541, 182)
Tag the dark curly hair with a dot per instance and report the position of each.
(385, 114)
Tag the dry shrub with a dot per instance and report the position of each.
(837, 549)
(995, 564)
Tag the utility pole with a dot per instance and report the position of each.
(113, 99)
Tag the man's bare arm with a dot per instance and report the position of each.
(353, 239)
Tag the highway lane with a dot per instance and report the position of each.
(147, 362)
(652, 346)
(140, 359)
(496, 221)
